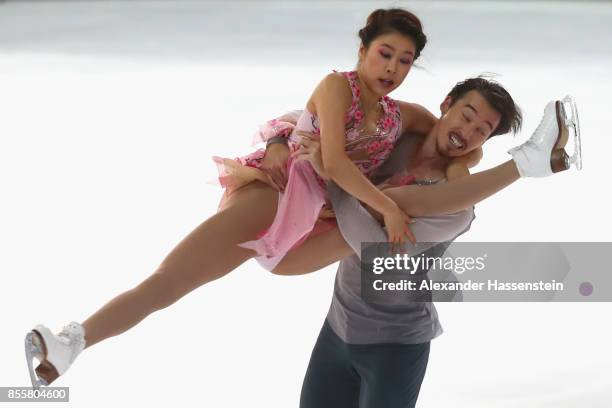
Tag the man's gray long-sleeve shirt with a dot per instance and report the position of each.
(358, 322)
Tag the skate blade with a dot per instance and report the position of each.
(571, 121)
(33, 349)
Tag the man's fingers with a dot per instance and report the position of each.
(274, 177)
(305, 134)
(306, 142)
(302, 153)
(297, 156)
(272, 182)
(278, 179)
(298, 152)
(283, 171)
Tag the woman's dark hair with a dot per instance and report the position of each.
(383, 21)
(499, 99)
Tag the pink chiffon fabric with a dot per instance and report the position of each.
(298, 211)
(305, 193)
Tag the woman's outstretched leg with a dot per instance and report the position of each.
(454, 195)
(207, 253)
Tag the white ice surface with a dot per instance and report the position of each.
(110, 112)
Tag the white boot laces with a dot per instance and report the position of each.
(70, 335)
(540, 126)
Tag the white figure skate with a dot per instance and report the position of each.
(544, 153)
(55, 352)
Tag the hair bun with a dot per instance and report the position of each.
(382, 21)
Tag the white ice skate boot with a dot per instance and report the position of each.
(544, 153)
(55, 352)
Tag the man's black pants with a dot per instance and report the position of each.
(342, 375)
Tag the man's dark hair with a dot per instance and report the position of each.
(499, 99)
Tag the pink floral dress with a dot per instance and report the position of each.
(305, 193)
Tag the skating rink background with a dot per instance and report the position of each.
(110, 113)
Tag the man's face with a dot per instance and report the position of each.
(465, 125)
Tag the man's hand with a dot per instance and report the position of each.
(310, 150)
(274, 165)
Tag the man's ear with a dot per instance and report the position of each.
(446, 104)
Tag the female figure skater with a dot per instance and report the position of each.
(391, 40)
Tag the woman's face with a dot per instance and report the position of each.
(386, 62)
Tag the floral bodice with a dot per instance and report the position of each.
(379, 144)
(367, 151)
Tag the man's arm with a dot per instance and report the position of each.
(276, 134)
(357, 225)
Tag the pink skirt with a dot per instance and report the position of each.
(297, 216)
(299, 207)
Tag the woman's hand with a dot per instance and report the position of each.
(274, 165)
(310, 149)
(397, 222)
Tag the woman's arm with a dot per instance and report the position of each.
(332, 99)
(274, 163)
(461, 192)
(458, 168)
(416, 119)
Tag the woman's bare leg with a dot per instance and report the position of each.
(207, 253)
(454, 195)
(315, 253)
